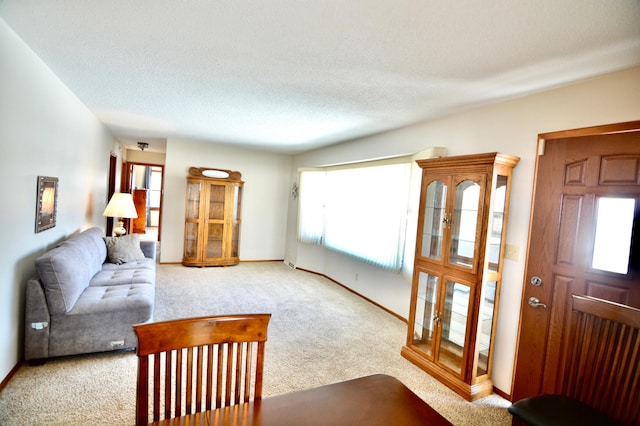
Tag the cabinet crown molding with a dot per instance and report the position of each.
(215, 174)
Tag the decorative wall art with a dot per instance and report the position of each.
(47, 204)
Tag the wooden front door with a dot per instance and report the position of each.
(579, 173)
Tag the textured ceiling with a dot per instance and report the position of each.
(294, 75)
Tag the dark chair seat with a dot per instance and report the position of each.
(557, 410)
(598, 377)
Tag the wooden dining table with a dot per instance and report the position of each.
(372, 400)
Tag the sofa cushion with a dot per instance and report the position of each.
(66, 270)
(102, 320)
(145, 263)
(93, 251)
(117, 298)
(111, 277)
(124, 249)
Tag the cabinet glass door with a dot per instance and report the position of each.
(193, 201)
(434, 219)
(216, 202)
(191, 239)
(191, 226)
(464, 224)
(454, 325)
(237, 196)
(235, 221)
(497, 222)
(215, 225)
(426, 317)
(487, 309)
(214, 240)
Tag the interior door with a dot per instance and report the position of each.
(133, 176)
(111, 188)
(586, 204)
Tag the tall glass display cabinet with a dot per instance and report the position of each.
(462, 223)
(212, 217)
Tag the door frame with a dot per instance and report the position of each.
(623, 127)
(111, 187)
(125, 186)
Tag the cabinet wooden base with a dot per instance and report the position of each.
(470, 392)
(225, 262)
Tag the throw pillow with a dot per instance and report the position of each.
(124, 249)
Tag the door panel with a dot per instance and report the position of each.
(571, 206)
(571, 174)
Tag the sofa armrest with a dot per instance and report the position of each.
(149, 249)
(37, 322)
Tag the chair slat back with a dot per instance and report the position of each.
(602, 366)
(196, 364)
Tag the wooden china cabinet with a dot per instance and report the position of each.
(462, 223)
(212, 217)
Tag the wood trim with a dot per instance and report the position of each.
(111, 187)
(502, 393)
(471, 160)
(628, 126)
(12, 373)
(404, 320)
(607, 309)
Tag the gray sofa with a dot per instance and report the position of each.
(89, 292)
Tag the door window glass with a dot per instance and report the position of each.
(155, 187)
(614, 226)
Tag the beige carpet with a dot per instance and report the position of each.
(319, 334)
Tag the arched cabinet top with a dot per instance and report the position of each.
(215, 174)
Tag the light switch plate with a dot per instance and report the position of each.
(512, 252)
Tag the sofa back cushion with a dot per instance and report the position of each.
(66, 270)
(124, 249)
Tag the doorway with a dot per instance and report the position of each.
(580, 176)
(145, 182)
(111, 188)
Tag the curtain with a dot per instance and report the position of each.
(361, 212)
(311, 207)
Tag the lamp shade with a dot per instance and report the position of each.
(121, 205)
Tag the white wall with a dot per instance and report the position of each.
(510, 127)
(148, 157)
(265, 196)
(44, 130)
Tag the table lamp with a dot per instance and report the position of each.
(120, 206)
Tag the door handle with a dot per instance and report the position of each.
(535, 303)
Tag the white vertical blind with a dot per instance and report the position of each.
(361, 212)
(311, 207)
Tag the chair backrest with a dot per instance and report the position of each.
(187, 364)
(602, 364)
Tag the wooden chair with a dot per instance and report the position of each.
(195, 364)
(601, 379)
